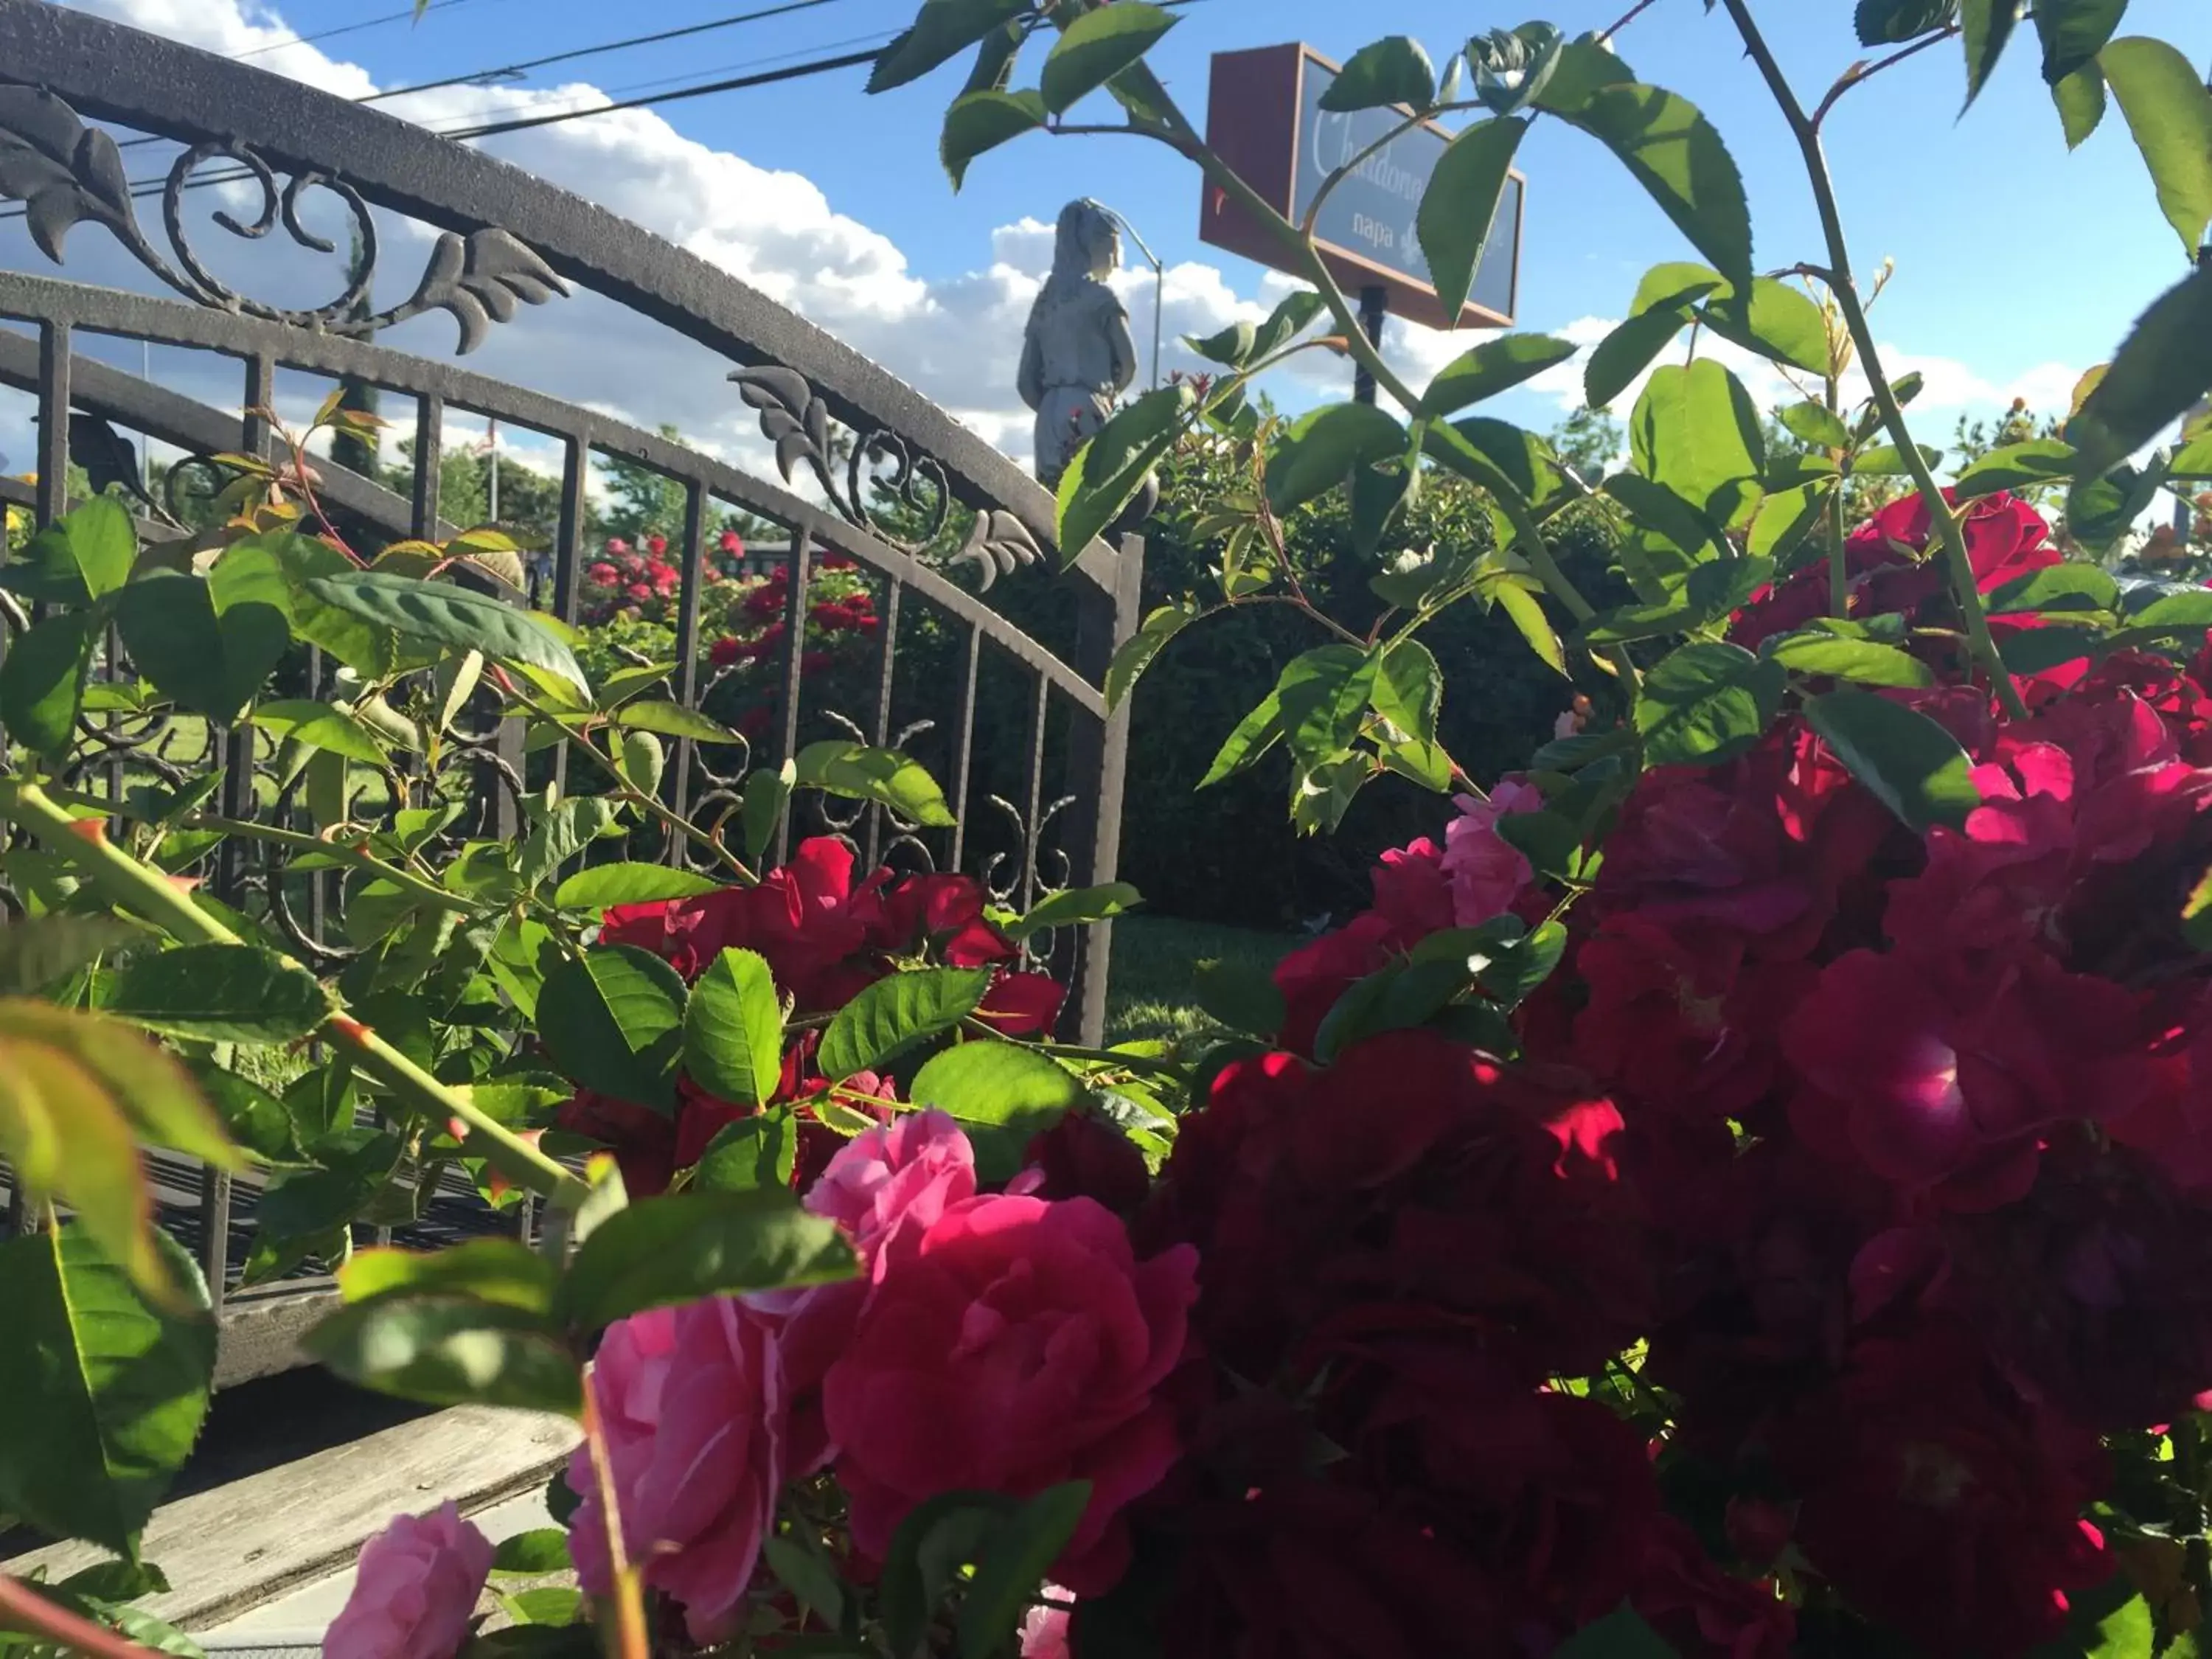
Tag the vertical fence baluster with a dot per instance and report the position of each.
(575, 511)
(676, 787)
(886, 659)
(430, 458)
(1098, 758)
(1034, 790)
(963, 753)
(801, 566)
(53, 421)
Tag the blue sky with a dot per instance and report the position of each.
(2019, 266)
(2012, 253)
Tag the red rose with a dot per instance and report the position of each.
(725, 651)
(656, 545)
(603, 573)
(643, 1141)
(1081, 1158)
(1022, 1346)
(1414, 1186)
(732, 543)
(617, 546)
(1700, 1609)
(641, 593)
(1941, 1503)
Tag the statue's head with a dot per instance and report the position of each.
(1089, 243)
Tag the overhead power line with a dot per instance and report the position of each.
(348, 28)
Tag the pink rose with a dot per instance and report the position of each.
(1019, 1345)
(691, 1402)
(1044, 1631)
(1486, 872)
(896, 1179)
(414, 1591)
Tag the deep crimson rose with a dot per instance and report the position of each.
(1313, 976)
(603, 573)
(1021, 1346)
(725, 651)
(1413, 892)
(1700, 1609)
(2095, 1291)
(1676, 1022)
(1941, 1503)
(732, 543)
(656, 545)
(642, 1140)
(1080, 1157)
(1414, 1185)
(1942, 1080)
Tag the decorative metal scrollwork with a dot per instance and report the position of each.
(66, 172)
(794, 418)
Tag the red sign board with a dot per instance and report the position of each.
(1264, 118)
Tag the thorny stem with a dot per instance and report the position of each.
(23, 1609)
(1966, 588)
(627, 1639)
(354, 854)
(1634, 12)
(649, 804)
(148, 893)
(1839, 578)
(1859, 74)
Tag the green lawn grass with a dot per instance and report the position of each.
(1149, 991)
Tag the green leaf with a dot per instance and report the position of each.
(255, 1119)
(1322, 450)
(440, 614)
(1409, 688)
(1022, 1548)
(1586, 66)
(1254, 736)
(1392, 71)
(894, 1014)
(1706, 702)
(211, 664)
(1865, 662)
(1622, 1633)
(105, 1393)
(319, 725)
(498, 1270)
(2074, 32)
(767, 793)
(2017, 466)
(2057, 587)
(1075, 907)
(561, 834)
(939, 1537)
(642, 761)
(539, 1553)
(1109, 470)
(1628, 351)
(980, 121)
(220, 994)
(1138, 651)
(1784, 325)
(37, 950)
(1494, 366)
(116, 1581)
(613, 1023)
(1512, 67)
(42, 681)
(1459, 207)
(808, 1575)
(607, 885)
(2081, 101)
(354, 1165)
(997, 1085)
(674, 720)
(1987, 26)
(1696, 430)
(1097, 46)
(733, 1030)
(450, 1351)
(1241, 344)
(1816, 425)
(1887, 461)
(887, 776)
(2160, 373)
(698, 1244)
(2169, 111)
(1526, 612)
(1241, 996)
(1323, 696)
(102, 543)
(1673, 151)
(752, 1152)
(943, 30)
(1913, 765)
(1887, 22)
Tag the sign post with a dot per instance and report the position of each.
(1264, 118)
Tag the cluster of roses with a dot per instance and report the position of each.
(640, 581)
(746, 691)
(825, 938)
(1898, 1148)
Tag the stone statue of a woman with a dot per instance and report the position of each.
(1077, 357)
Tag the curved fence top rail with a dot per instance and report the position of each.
(172, 322)
(234, 111)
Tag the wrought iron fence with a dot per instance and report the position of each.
(940, 529)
